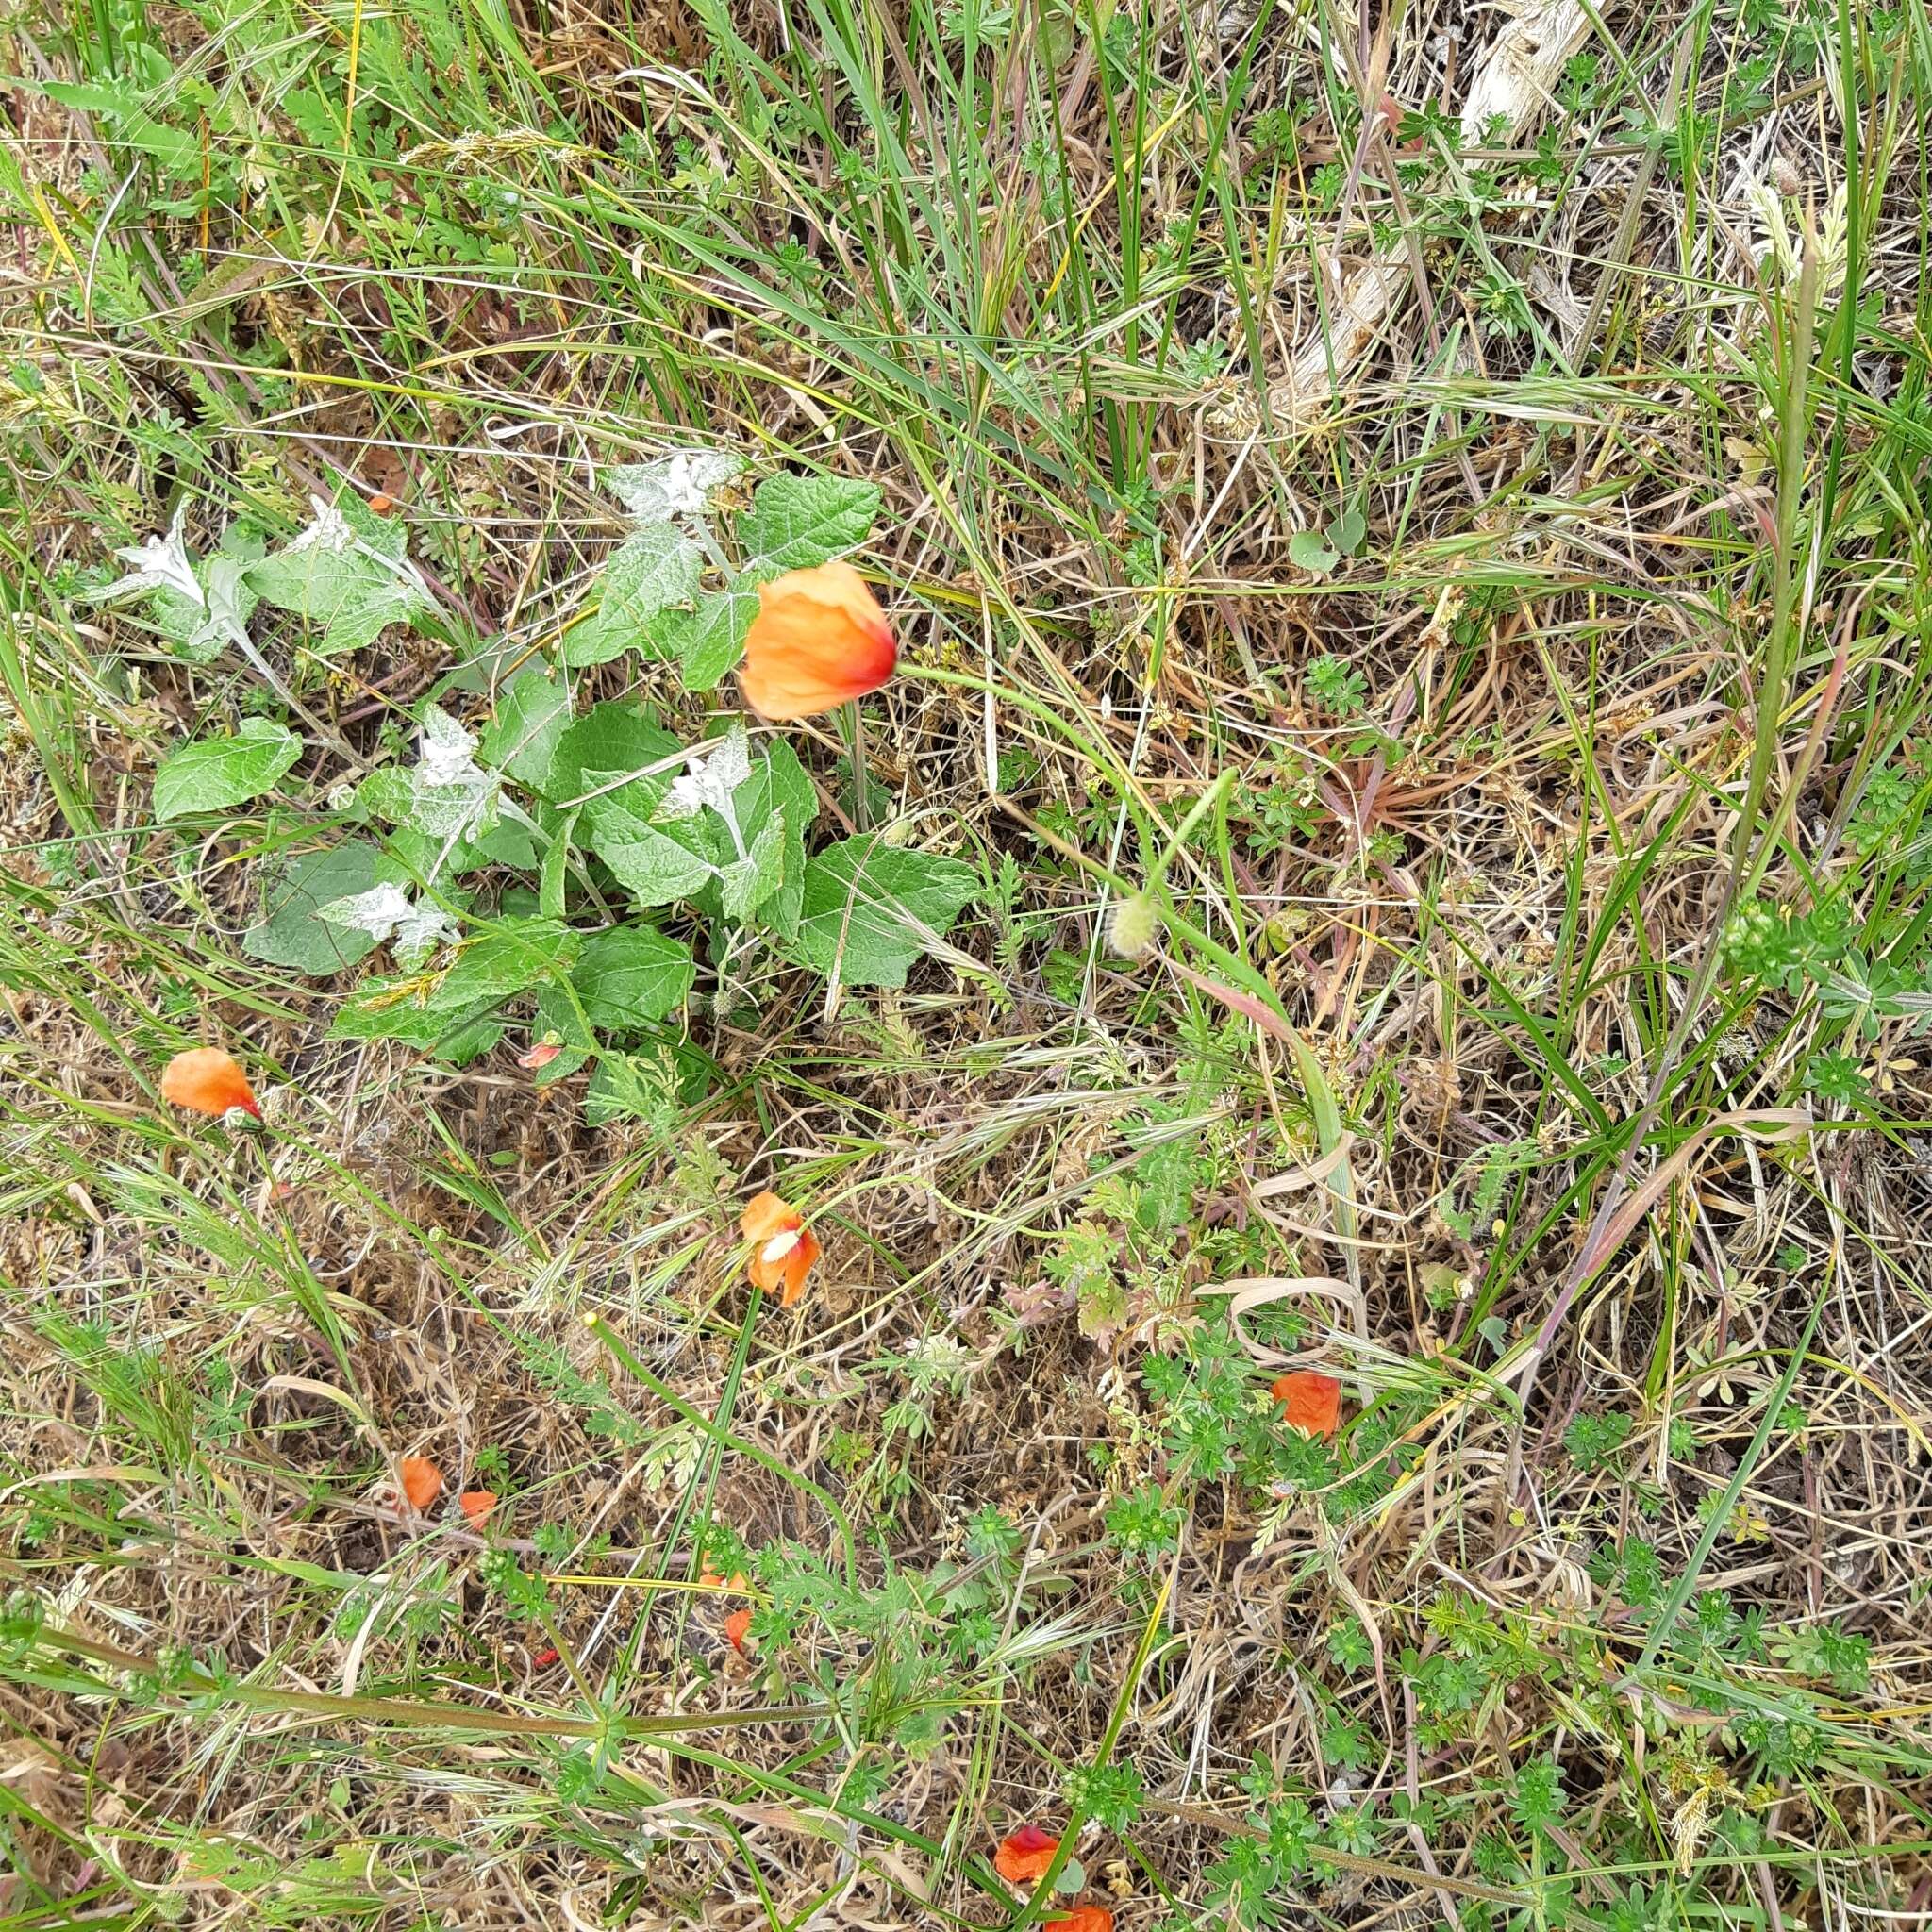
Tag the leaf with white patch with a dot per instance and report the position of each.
(451, 796)
(347, 572)
(678, 485)
(657, 568)
(163, 564)
(414, 928)
(711, 774)
(748, 882)
(294, 889)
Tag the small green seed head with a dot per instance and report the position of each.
(1135, 926)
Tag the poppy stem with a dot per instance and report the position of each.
(852, 725)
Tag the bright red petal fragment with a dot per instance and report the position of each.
(1309, 1401)
(1025, 1856)
(737, 1626)
(1082, 1919)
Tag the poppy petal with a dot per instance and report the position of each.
(737, 1626)
(1025, 1856)
(1309, 1401)
(819, 641)
(206, 1080)
(785, 1250)
(421, 1479)
(1081, 1919)
(476, 1505)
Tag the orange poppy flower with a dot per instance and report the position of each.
(1082, 1919)
(785, 1249)
(1309, 1399)
(819, 641)
(422, 1480)
(1025, 1856)
(206, 1080)
(735, 1625)
(476, 1505)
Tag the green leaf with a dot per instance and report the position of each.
(174, 151)
(394, 1009)
(654, 569)
(348, 573)
(779, 784)
(746, 883)
(795, 521)
(633, 974)
(1348, 530)
(871, 910)
(1307, 550)
(294, 889)
(606, 738)
(219, 772)
(709, 640)
(532, 714)
(554, 877)
(657, 1084)
(513, 957)
(654, 867)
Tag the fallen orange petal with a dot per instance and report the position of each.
(206, 1080)
(422, 1481)
(1309, 1399)
(540, 1054)
(476, 1505)
(1082, 1919)
(1025, 1856)
(785, 1251)
(736, 1626)
(819, 641)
